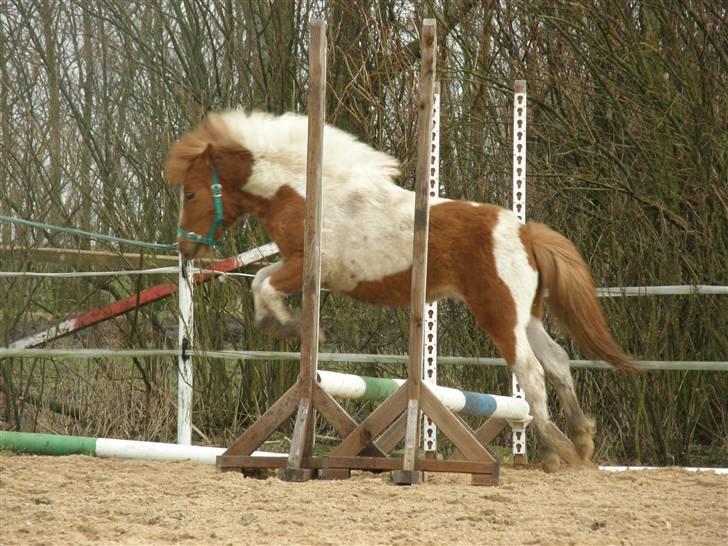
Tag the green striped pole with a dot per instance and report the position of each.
(47, 444)
(356, 387)
(54, 444)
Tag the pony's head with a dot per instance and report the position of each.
(210, 170)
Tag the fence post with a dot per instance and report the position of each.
(184, 361)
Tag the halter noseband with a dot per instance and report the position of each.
(209, 239)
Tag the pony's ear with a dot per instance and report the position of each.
(234, 165)
(182, 153)
(208, 154)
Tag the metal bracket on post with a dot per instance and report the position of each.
(185, 344)
(519, 208)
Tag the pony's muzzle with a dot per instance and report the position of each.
(191, 250)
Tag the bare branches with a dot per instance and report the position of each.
(628, 132)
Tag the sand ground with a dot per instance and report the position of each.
(82, 500)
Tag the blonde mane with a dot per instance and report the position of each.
(278, 139)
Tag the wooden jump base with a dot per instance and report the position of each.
(365, 446)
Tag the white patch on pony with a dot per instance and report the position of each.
(511, 260)
(358, 190)
(279, 147)
(380, 243)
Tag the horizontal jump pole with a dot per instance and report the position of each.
(141, 299)
(54, 444)
(349, 358)
(77, 256)
(357, 387)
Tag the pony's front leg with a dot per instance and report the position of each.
(262, 313)
(270, 286)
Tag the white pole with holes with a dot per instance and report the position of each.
(519, 208)
(429, 368)
(184, 362)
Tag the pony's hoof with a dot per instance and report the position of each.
(584, 445)
(551, 462)
(292, 328)
(268, 325)
(273, 327)
(583, 438)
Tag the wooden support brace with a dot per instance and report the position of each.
(389, 439)
(452, 427)
(301, 442)
(342, 422)
(408, 475)
(486, 433)
(371, 427)
(261, 430)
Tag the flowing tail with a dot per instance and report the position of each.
(572, 295)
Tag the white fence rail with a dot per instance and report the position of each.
(352, 358)
(675, 290)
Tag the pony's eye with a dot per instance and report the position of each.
(190, 195)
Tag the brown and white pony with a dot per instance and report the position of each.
(477, 253)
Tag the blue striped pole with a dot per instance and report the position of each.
(468, 403)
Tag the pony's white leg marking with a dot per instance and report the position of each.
(262, 309)
(530, 375)
(513, 268)
(272, 299)
(555, 360)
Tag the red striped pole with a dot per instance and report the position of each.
(145, 297)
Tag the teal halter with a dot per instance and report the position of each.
(209, 239)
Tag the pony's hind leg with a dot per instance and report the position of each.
(500, 290)
(270, 286)
(512, 342)
(555, 361)
(555, 446)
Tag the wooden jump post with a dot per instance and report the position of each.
(306, 396)
(364, 446)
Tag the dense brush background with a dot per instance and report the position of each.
(627, 156)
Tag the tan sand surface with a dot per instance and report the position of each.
(82, 500)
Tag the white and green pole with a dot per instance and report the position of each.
(54, 444)
(356, 387)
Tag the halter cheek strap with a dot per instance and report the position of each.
(209, 239)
